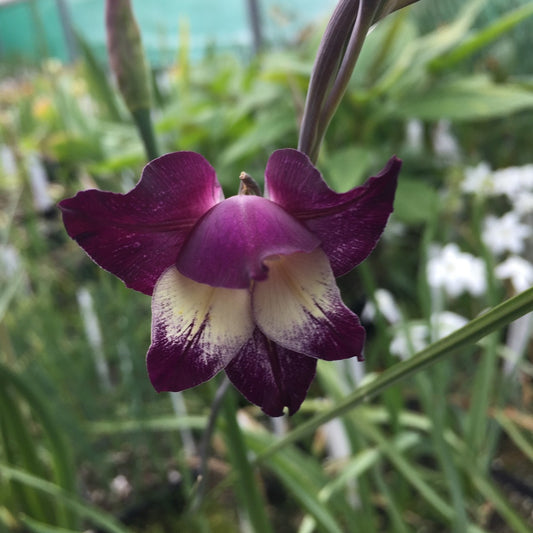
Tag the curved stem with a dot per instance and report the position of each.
(205, 444)
(496, 318)
(327, 62)
(143, 121)
(364, 19)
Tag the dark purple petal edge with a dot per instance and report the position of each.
(137, 235)
(349, 224)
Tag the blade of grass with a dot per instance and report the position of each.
(482, 38)
(391, 507)
(63, 464)
(494, 495)
(15, 450)
(410, 472)
(105, 521)
(35, 526)
(162, 423)
(480, 429)
(303, 478)
(335, 385)
(514, 434)
(363, 461)
(60, 453)
(433, 396)
(246, 483)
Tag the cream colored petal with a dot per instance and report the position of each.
(196, 330)
(299, 307)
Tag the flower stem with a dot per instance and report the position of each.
(205, 444)
(328, 59)
(496, 318)
(365, 16)
(246, 485)
(143, 121)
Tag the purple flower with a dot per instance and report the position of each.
(245, 284)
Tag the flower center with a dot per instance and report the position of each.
(230, 243)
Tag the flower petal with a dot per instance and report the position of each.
(136, 236)
(271, 376)
(196, 330)
(299, 307)
(228, 246)
(349, 224)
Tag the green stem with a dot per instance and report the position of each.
(143, 121)
(246, 484)
(478, 328)
(480, 430)
(432, 392)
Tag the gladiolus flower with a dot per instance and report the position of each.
(245, 284)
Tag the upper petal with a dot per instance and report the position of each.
(196, 330)
(228, 246)
(299, 307)
(271, 376)
(349, 224)
(137, 235)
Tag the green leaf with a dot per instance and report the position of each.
(345, 168)
(483, 37)
(473, 98)
(415, 201)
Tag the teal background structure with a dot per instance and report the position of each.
(32, 30)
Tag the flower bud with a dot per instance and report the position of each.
(126, 55)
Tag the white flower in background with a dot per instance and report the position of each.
(394, 230)
(7, 160)
(10, 262)
(513, 181)
(120, 486)
(523, 203)
(455, 272)
(39, 185)
(505, 234)
(518, 270)
(478, 180)
(414, 134)
(444, 142)
(94, 335)
(409, 339)
(386, 305)
(445, 323)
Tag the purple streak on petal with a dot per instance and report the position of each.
(271, 376)
(196, 330)
(228, 246)
(137, 235)
(300, 308)
(349, 224)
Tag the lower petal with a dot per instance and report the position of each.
(299, 307)
(271, 376)
(196, 330)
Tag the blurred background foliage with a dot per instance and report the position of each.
(85, 442)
